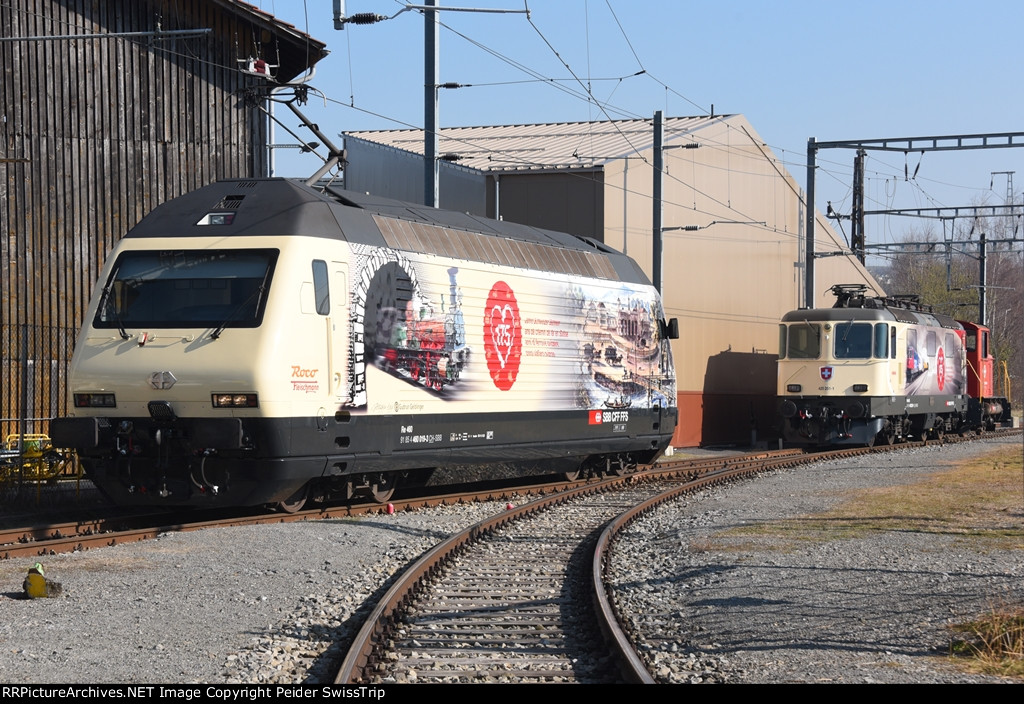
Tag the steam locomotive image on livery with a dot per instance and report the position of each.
(875, 369)
(267, 341)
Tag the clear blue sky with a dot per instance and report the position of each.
(795, 68)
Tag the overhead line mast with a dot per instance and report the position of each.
(999, 140)
(431, 159)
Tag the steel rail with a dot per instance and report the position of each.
(359, 661)
(631, 664)
(86, 533)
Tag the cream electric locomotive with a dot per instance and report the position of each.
(870, 369)
(263, 341)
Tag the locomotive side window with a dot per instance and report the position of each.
(892, 344)
(782, 341)
(321, 288)
(804, 341)
(187, 289)
(949, 344)
(881, 340)
(931, 343)
(972, 341)
(853, 341)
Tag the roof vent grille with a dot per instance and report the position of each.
(229, 203)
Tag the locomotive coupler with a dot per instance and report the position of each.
(123, 439)
(203, 484)
(162, 437)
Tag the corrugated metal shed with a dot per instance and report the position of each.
(553, 146)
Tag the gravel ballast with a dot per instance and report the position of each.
(266, 604)
(720, 603)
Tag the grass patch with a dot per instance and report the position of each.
(979, 500)
(994, 643)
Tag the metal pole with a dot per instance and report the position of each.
(857, 216)
(812, 152)
(982, 280)
(659, 168)
(430, 80)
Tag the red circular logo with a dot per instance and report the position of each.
(503, 339)
(940, 370)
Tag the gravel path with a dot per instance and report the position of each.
(264, 604)
(719, 605)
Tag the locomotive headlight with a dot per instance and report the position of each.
(860, 388)
(235, 400)
(95, 401)
(794, 388)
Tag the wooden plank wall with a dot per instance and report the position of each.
(94, 133)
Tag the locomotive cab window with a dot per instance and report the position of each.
(321, 288)
(972, 342)
(853, 340)
(187, 289)
(803, 341)
(881, 340)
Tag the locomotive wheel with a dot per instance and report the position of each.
(887, 435)
(384, 488)
(619, 467)
(296, 502)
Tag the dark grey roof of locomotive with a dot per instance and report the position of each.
(882, 313)
(283, 207)
(854, 302)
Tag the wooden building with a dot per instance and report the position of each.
(107, 110)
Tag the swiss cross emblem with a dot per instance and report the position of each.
(826, 373)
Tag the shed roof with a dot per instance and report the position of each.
(296, 50)
(560, 145)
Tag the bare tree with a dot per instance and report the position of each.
(944, 271)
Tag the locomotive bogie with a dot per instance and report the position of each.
(327, 341)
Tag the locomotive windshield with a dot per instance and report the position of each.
(853, 340)
(187, 289)
(803, 341)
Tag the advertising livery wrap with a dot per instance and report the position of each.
(493, 340)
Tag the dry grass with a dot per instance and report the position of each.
(979, 501)
(994, 643)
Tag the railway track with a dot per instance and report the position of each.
(117, 527)
(506, 601)
(521, 598)
(325, 609)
